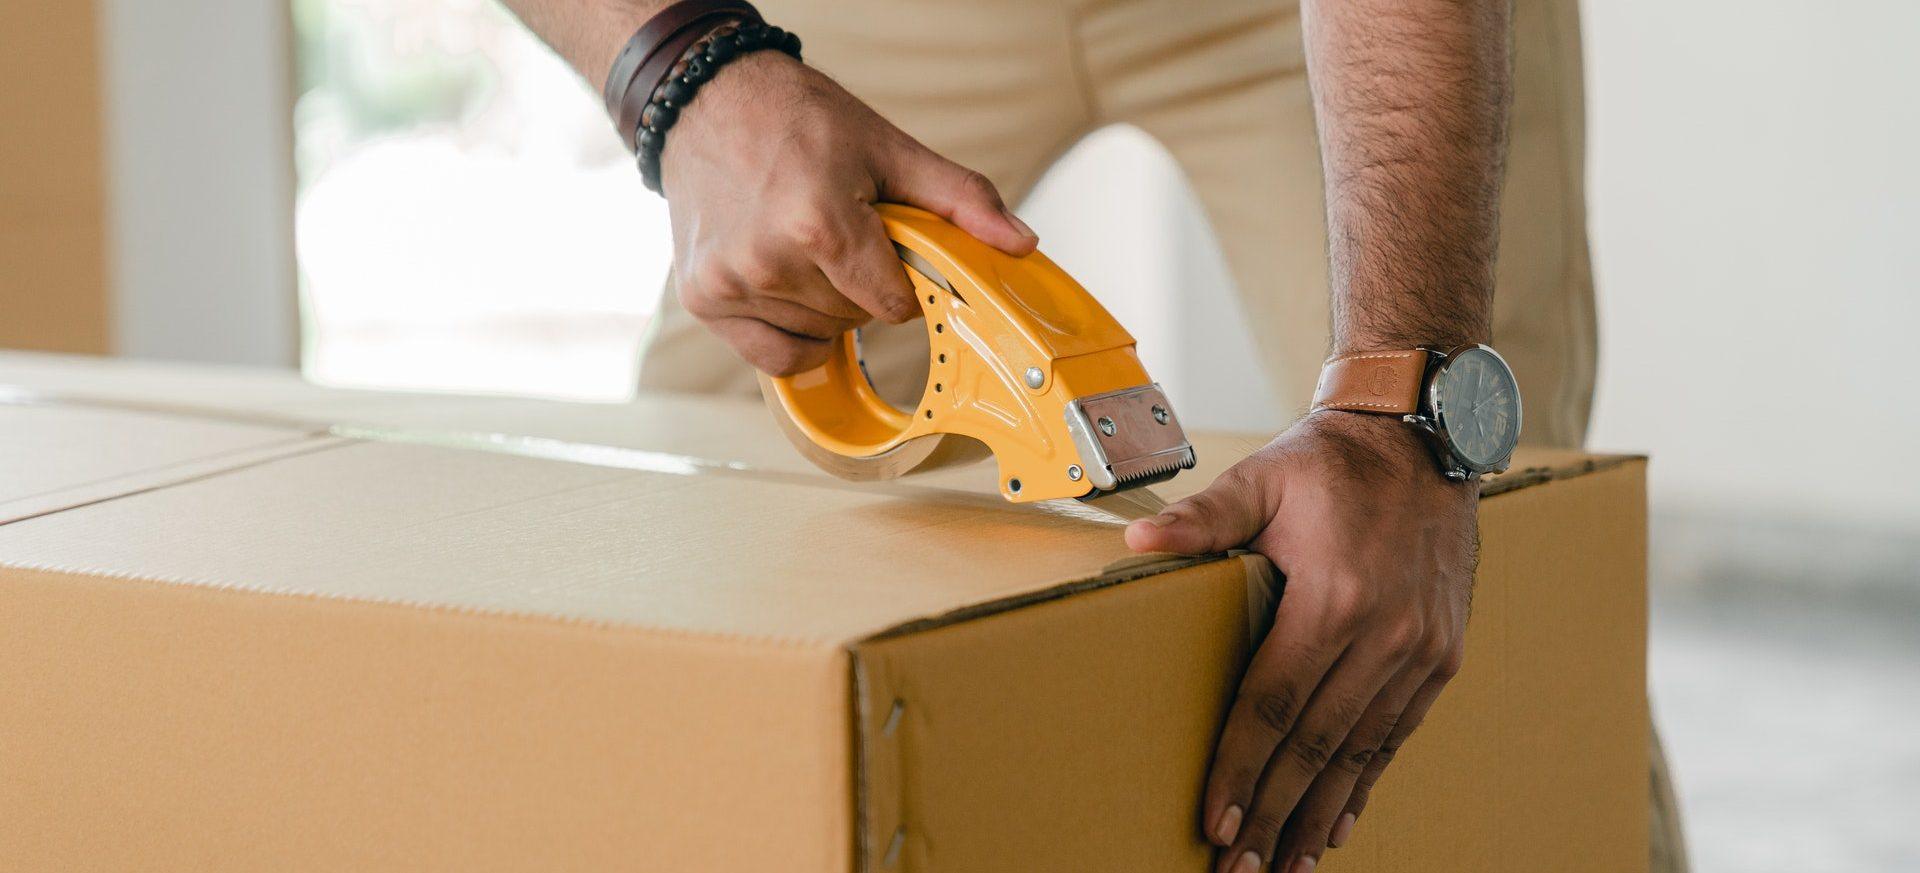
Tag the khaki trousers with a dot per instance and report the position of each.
(1007, 86)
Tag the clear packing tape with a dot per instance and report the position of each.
(688, 465)
(935, 479)
(902, 481)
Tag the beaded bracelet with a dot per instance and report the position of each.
(676, 28)
(696, 67)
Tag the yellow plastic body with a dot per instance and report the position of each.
(1004, 316)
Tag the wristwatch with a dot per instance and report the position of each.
(1465, 400)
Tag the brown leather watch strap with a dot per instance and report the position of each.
(654, 48)
(1388, 383)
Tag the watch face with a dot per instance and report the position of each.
(1477, 407)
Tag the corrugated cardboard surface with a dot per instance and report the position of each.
(1071, 735)
(470, 530)
(54, 457)
(388, 655)
(172, 727)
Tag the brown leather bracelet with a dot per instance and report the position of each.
(664, 36)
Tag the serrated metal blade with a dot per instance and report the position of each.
(1128, 438)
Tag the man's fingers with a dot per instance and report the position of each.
(1410, 718)
(1279, 682)
(914, 175)
(1310, 746)
(800, 320)
(1312, 827)
(770, 349)
(779, 268)
(769, 284)
(730, 297)
(1228, 514)
(864, 268)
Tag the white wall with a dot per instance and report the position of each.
(1143, 248)
(200, 169)
(1756, 204)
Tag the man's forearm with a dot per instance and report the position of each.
(587, 33)
(1411, 99)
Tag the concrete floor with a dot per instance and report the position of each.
(1793, 727)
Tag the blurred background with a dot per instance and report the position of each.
(416, 194)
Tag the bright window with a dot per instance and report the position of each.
(466, 219)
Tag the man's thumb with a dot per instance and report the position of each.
(1229, 514)
(918, 177)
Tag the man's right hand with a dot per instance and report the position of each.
(771, 175)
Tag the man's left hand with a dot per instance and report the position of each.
(1378, 552)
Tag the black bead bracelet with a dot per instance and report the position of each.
(696, 67)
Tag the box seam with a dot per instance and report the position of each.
(622, 457)
(320, 443)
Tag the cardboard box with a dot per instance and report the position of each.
(277, 645)
(54, 213)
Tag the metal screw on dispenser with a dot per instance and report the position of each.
(1106, 425)
(1035, 378)
(1160, 414)
(1074, 472)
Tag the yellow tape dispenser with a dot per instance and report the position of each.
(1022, 361)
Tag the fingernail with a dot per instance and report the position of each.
(1305, 864)
(1161, 520)
(1342, 829)
(1229, 826)
(1248, 863)
(1018, 224)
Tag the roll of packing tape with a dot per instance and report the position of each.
(934, 452)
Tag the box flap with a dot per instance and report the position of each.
(707, 553)
(55, 457)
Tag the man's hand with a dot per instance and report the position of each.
(1378, 552)
(1410, 100)
(771, 175)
